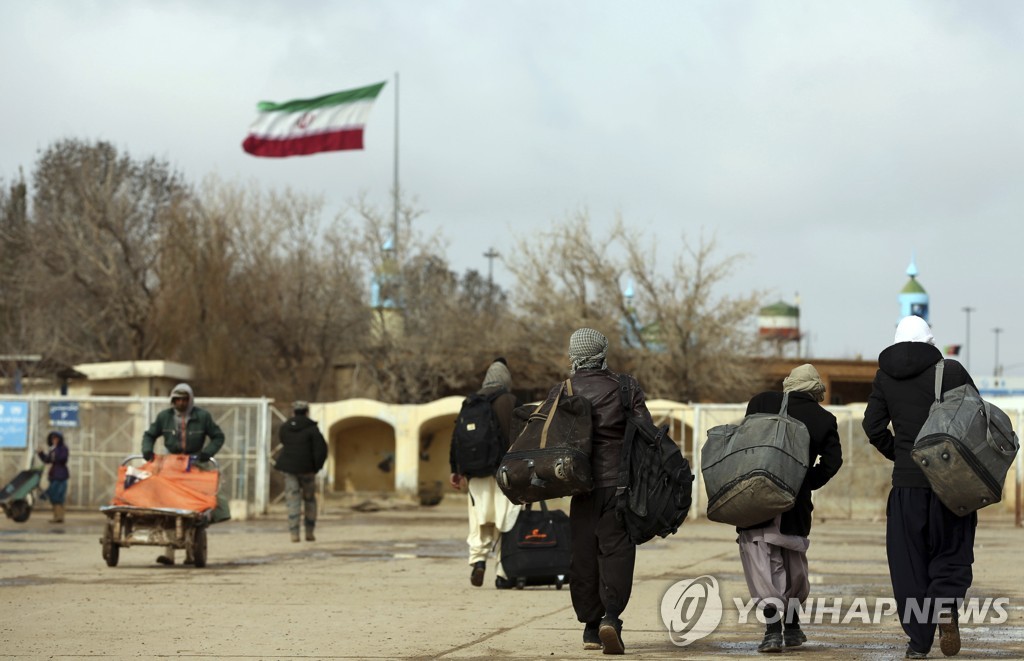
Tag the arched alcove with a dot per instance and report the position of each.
(435, 445)
(363, 452)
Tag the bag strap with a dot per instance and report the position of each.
(939, 367)
(551, 413)
(624, 394)
(785, 403)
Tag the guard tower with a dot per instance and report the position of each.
(913, 298)
(778, 326)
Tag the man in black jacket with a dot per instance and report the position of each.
(774, 553)
(603, 556)
(930, 548)
(303, 453)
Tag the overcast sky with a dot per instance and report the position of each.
(827, 141)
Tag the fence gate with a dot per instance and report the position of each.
(108, 429)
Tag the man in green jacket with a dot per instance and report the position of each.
(185, 429)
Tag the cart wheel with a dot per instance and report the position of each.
(111, 550)
(559, 583)
(20, 510)
(520, 583)
(199, 547)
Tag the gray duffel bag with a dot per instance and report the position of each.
(753, 471)
(965, 448)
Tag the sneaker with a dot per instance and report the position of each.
(772, 642)
(591, 639)
(503, 583)
(476, 577)
(914, 654)
(949, 634)
(793, 637)
(610, 633)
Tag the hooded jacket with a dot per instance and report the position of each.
(199, 426)
(303, 448)
(57, 457)
(902, 393)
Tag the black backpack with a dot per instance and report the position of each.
(477, 440)
(655, 481)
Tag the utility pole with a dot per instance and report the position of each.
(967, 341)
(491, 254)
(995, 369)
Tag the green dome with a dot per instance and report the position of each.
(913, 287)
(779, 309)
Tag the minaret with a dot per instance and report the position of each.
(913, 298)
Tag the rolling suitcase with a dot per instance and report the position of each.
(536, 550)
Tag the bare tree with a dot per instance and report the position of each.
(434, 331)
(98, 224)
(682, 339)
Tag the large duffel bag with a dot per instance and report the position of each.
(965, 448)
(551, 457)
(537, 550)
(753, 471)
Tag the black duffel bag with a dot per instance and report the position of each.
(550, 458)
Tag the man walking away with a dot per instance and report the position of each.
(774, 553)
(303, 453)
(930, 549)
(603, 557)
(479, 441)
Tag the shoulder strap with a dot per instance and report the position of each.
(624, 394)
(551, 413)
(785, 403)
(939, 367)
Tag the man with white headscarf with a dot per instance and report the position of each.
(930, 549)
(491, 513)
(774, 552)
(603, 556)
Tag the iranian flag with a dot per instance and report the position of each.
(328, 123)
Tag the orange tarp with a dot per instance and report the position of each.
(167, 482)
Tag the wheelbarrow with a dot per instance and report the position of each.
(176, 527)
(18, 497)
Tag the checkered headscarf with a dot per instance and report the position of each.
(587, 349)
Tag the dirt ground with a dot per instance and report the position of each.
(393, 584)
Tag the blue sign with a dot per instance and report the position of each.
(13, 424)
(63, 414)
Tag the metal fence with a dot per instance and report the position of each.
(110, 428)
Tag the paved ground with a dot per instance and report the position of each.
(394, 585)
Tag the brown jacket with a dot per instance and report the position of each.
(601, 387)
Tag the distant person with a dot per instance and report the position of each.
(774, 552)
(490, 512)
(303, 453)
(603, 556)
(930, 549)
(186, 429)
(57, 490)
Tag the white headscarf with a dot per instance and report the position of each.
(914, 329)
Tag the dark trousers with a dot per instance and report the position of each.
(930, 553)
(601, 569)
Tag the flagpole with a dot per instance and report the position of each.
(395, 201)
